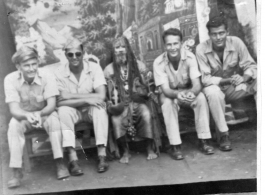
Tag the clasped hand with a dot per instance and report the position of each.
(34, 118)
(186, 96)
(236, 79)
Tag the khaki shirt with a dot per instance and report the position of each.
(187, 69)
(31, 97)
(236, 60)
(91, 77)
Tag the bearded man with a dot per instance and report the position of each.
(131, 117)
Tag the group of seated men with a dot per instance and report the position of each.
(80, 91)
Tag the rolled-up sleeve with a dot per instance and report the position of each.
(207, 78)
(98, 76)
(160, 75)
(193, 68)
(11, 93)
(51, 88)
(246, 62)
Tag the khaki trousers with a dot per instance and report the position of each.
(16, 137)
(217, 98)
(70, 116)
(170, 109)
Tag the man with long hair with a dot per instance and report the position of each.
(131, 117)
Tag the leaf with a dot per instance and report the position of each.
(99, 46)
(93, 34)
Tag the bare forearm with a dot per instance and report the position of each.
(196, 89)
(73, 103)
(170, 93)
(247, 78)
(47, 110)
(19, 114)
(87, 95)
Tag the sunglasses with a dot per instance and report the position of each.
(77, 54)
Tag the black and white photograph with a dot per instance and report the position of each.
(130, 97)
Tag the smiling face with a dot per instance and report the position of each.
(218, 36)
(28, 69)
(74, 56)
(172, 45)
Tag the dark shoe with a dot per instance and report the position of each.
(62, 171)
(14, 182)
(175, 153)
(225, 144)
(103, 165)
(75, 169)
(205, 147)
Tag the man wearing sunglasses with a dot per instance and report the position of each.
(82, 94)
(228, 73)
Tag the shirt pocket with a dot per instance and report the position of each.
(39, 98)
(233, 61)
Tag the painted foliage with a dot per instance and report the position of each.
(48, 24)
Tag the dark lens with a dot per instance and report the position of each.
(78, 54)
(70, 55)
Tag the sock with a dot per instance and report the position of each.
(101, 150)
(72, 155)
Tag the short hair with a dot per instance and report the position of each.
(172, 31)
(24, 53)
(215, 22)
(73, 43)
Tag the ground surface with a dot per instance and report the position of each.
(240, 163)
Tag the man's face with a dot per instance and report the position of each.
(29, 68)
(218, 36)
(120, 52)
(172, 45)
(74, 56)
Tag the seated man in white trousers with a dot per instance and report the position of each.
(82, 94)
(177, 75)
(228, 73)
(31, 97)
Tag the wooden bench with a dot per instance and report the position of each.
(42, 134)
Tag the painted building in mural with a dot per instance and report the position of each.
(178, 14)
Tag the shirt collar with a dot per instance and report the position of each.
(183, 52)
(37, 79)
(86, 68)
(228, 46)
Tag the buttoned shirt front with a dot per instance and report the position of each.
(91, 77)
(33, 96)
(236, 60)
(187, 69)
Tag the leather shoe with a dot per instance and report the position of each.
(62, 171)
(175, 153)
(103, 165)
(225, 143)
(14, 182)
(205, 147)
(75, 169)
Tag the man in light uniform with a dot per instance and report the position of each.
(177, 75)
(31, 97)
(228, 73)
(127, 76)
(82, 94)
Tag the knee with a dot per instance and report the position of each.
(145, 112)
(201, 98)
(16, 126)
(99, 112)
(213, 92)
(64, 111)
(167, 102)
